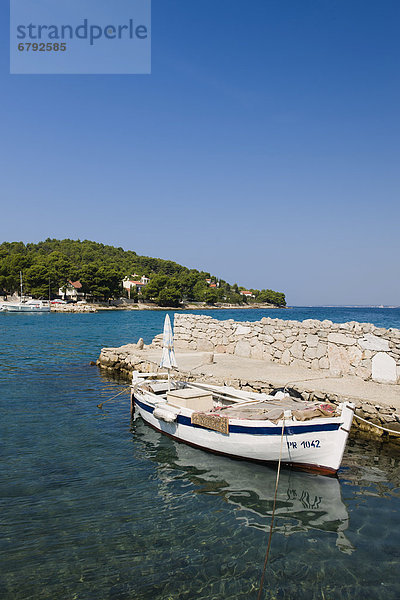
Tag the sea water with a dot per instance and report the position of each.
(96, 507)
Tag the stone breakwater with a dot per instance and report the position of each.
(376, 402)
(358, 349)
(72, 308)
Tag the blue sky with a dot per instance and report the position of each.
(264, 147)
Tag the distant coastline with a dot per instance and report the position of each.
(347, 306)
(68, 308)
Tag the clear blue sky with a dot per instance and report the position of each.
(264, 147)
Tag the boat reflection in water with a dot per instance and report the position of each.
(304, 501)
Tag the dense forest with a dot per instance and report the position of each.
(100, 269)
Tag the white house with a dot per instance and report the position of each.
(72, 291)
(137, 285)
(247, 293)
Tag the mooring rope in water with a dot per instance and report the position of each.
(392, 431)
(272, 516)
(112, 397)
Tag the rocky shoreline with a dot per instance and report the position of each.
(73, 308)
(89, 307)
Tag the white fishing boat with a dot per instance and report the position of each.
(264, 428)
(308, 435)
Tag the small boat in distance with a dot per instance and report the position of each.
(310, 436)
(26, 306)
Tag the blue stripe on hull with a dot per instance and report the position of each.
(290, 430)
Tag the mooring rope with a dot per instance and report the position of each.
(272, 516)
(377, 426)
(291, 383)
(112, 397)
(391, 431)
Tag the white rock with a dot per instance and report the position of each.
(257, 351)
(323, 363)
(384, 368)
(355, 355)
(315, 364)
(297, 350)
(321, 350)
(363, 373)
(267, 355)
(339, 362)
(240, 330)
(326, 324)
(372, 342)
(312, 340)
(341, 338)
(243, 349)
(310, 353)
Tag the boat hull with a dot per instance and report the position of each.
(26, 308)
(316, 445)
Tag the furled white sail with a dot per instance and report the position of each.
(168, 355)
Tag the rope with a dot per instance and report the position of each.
(392, 431)
(112, 397)
(377, 426)
(290, 383)
(273, 515)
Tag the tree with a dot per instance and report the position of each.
(101, 268)
(211, 296)
(154, 287)
(169, 296)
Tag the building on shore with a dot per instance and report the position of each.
(134, 284)
(72, 290)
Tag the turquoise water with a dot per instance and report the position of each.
(93, 507)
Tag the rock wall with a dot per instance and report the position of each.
(358, 349)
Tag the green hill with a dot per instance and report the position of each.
(101, 268)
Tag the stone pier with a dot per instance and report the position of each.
(368, 385)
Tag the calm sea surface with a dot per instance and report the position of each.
(94, 507)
